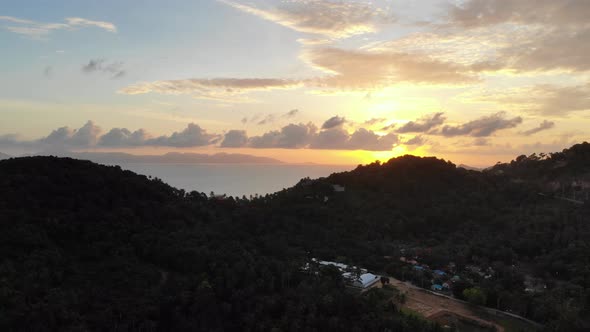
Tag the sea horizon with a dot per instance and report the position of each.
(233, 179)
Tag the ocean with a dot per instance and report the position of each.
(233, 179)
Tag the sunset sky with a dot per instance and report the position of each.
(335, 82)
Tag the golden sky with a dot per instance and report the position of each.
(333, 82)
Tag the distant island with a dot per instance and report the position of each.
(168, 158)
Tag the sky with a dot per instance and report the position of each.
(331, 82)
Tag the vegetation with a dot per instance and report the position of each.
(475, 295)
(90, 247)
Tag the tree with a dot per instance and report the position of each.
(475, 295)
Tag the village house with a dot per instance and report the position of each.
(354, 276)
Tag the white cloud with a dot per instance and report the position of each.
(331, 19)
(39, 30)
(217, 88)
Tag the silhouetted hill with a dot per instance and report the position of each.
(89, 247)
(557, 169)
(509, 218)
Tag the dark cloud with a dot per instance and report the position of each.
(291, 113)
(374, 121)
(334, 139)
(114, 69)
(482, 127)
(416, 140)
(545, 125)
(363, 139)
(235, 139)
(335, 121)
(423, 124)
(389, 127)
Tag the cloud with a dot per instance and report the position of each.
(235, 139)
(545, 125)
(333, 139)
(545, 99)
(482, 127)
(292, 136)
(270, 118)
(416, 140)
(100, 65)
(192, 136)
(87, 135)
(351, 69)
(332, 19)
(82, 22)
(216, 88)
(361, 139)
(476, 13)
(389, 127)
(291, 113)
(345, 69)
(551, 49)
(306, 136)
(123, 137)
(374, 121)
(335, 121)
(556, 33)
(423, 124)
(39, 30)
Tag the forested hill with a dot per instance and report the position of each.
(90, 247)
(85, 247)
(527, 220)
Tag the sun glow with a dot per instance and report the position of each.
(367, 157)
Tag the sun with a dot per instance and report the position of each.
(367, 157)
